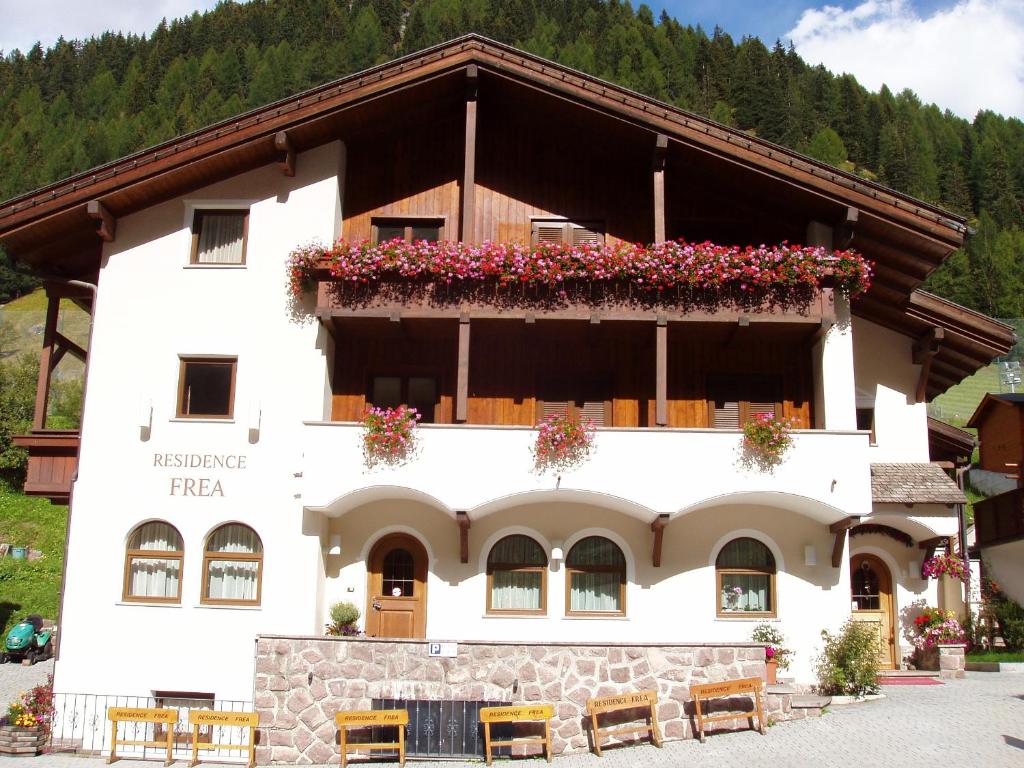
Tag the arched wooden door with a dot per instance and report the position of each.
(396, 589)
(871, 591)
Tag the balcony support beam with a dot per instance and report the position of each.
(841, 530)
(925, 350)
(658, 526)
(661, 372)
(660, 151)
(467, 228)
(48, 359)
(462, 518)
(285, 151)
(462, 373)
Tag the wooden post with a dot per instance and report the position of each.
(839, 529)
(925, 349)
(467, 228)
(462, 518)
(462, 381)
(46, 362)
(660, 150)
(658, 526)
(661, 372)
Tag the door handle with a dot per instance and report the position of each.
(376, 605)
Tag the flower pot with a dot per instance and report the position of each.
(16, 740)
(772, 668)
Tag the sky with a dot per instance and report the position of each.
(964, 55)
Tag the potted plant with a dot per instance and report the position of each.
(766, 440)
(344, 616)
(26, 728)
(389, 435)
(563, 442)
(932, 628)
(776, 655)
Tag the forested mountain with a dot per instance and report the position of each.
(79, 104)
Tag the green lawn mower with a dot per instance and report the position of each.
(28, 641)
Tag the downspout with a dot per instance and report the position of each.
(962, 532)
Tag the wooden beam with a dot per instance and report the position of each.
(660, 152)
(462, 518)
(840, 530)
(67, 345)
(661, 372)
(925, 348)
(467, 224)
(46, 363)
(847, 228)
(734, 330)
(285, 153)
(930, 545)
(658, 526)
(462, 381)
(106, 224)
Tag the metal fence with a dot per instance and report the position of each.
(80, 725)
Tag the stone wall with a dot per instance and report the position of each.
(301, 682)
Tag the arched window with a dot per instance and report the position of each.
(745, 570)
(232, 566)
(152, 564)
(595, 581)
(517, 576)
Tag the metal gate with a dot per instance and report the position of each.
(443, 729)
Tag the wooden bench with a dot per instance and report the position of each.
(708, 691)
(200, 717)
(640, 700)
(168, 717)
(398, 718)
(527, 714)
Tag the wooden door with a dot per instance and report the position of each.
(871, 592)
(396, 591)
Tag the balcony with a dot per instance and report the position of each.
(642, 472)
(1000, 519)
(52, 461)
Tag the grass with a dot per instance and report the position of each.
(1009, 656)
(21, 329)
(30, 586)
(956, 405)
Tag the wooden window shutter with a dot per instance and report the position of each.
(726, 414)
(586, 234)
(593, 410)
(554, 408)
(548, 232)
(768, 408)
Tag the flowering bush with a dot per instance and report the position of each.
(563, 442)
(935, 626)
(766, 440)
(774, 640)
(946, 565)
(33, 708)
(389, 435)
(659, 267)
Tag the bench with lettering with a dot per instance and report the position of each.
(708, 691)
(534, 713)
(199, 718)
(398, 718)
(647, 700)
(168, 717)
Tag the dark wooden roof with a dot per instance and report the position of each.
(1009, 399)
(50, 230)
(948, 443)
(913, 484)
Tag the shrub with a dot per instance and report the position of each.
(344, 616)
(848, 664)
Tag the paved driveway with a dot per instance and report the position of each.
(977, 722)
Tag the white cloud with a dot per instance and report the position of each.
(26, 22)
(967, 57)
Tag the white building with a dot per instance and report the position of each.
(220, 491)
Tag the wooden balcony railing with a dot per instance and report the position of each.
(1000, 519)
(52, 461)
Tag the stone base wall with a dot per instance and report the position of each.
(301, 682)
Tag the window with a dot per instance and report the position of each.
(419, 392)
(206, 387)
(219, 236)
(516, 576)
(733, 400)
(152, 564)
(233, 566)
(745, 571)
(595, 578)
(410, 230)
(866, 421)
(568, 232)
(587, 398)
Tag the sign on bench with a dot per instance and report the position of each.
(709, 691)
(198, 718)
(364, 719)
(525, 714)
(641, 700)
(142, 715)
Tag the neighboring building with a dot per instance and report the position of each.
(220, 492)
(999, 419)
(949, 444)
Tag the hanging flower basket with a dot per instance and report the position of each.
(766, 440)
(389, 436)
(946, 565)
(563, 442)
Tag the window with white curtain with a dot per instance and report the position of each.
(745, 571)
(152, 564)
(233, 566)
(517, 576)
(595, 578)
(219, 236)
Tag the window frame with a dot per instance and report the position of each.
(198, 212)
(232, 557)
(152, 554)
(408, 222)
(404, 376)
(772, 384)
(623, 581)
(518, 568)
(771, 573)
(186, 360)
